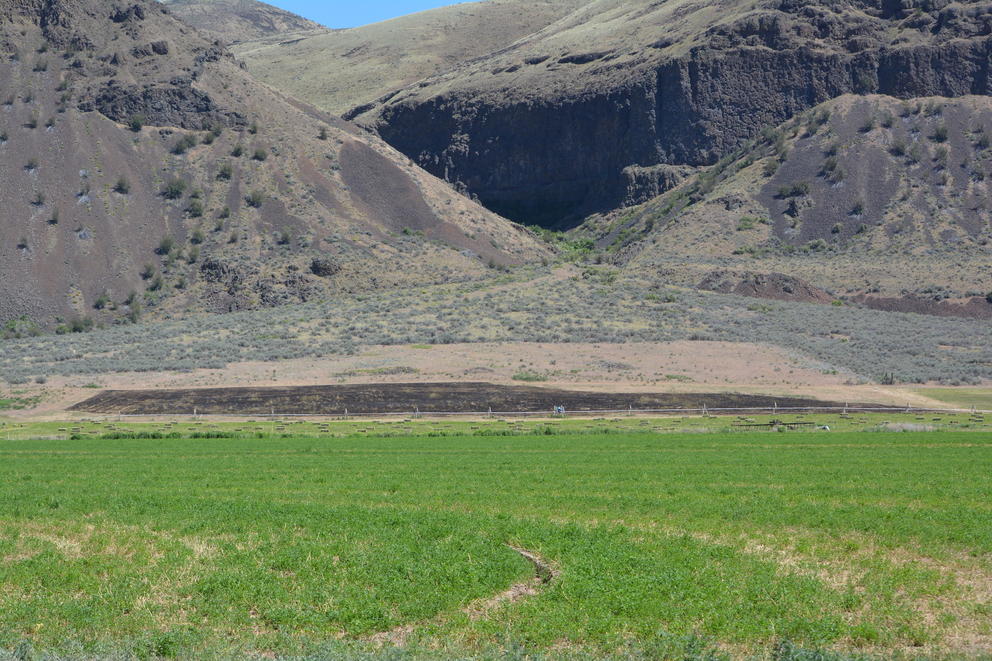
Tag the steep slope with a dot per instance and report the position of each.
(872, 199)
(544, 130)
(235, 21)
(341, 69)
(140, 166)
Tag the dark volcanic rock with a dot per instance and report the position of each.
(551, 146)
(176, 105)
(324, 267)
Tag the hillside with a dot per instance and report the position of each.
(234, 21)
(870, 199)
(575, 118)
(341, 69)
(144, 170)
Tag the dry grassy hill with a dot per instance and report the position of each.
(234, 21)
(143, 168)
(342, 69)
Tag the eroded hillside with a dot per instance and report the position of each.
(874, 199)
(143, 169)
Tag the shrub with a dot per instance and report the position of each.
(197, 237)
(122, 186)
(322, 135)
(770, 167)
(184, 144)
(525, 375)
(837, 228)
(745, 223)
(156, 283)
(858, 208)
(797, 189)
(224, 213)
(81, 325)
(225, 172)
(166, 245)
(148, 272)
(285, 238)
(31, 165)
(174, 189)
(260, 155)
(38, 200)
(193, 255)
(868, 126)
(940, 133)
(253, 129)
(255, 199)
(101, 301)
(898, 147)
(238, 151)
(54, 219)
(136, 123)
(983, 141)
(195, 208)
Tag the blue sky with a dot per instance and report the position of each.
(351, 13)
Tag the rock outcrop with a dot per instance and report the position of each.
(542, 131)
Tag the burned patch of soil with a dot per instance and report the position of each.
(975, 307)
(384, 398)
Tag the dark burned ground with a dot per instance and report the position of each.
(406, 398)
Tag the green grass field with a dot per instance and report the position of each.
(211, 548)
(980, 398)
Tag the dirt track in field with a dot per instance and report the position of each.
(386, 398)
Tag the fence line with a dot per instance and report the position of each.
(577, 413)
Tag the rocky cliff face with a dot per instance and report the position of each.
(543, 131)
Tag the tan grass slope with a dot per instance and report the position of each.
(239, 20)
(141, 166)
(341, 69)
